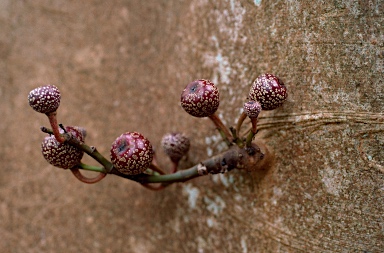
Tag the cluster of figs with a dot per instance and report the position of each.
(132, 153)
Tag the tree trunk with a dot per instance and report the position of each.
(122, 65)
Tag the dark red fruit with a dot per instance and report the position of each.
(175, 145)
(44, 99)
(200, 98)
(269, 90)
(63, 155)
(252, 108)
(131, 153)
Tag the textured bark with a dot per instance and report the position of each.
(121, 66)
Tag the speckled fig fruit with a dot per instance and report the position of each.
(269, 90)
(200, 98)
(44, 99)
(252, 108)
(131, 153)
(175, 145)
(63, 155)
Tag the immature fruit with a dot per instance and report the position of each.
(269, 90)
(252, 108)
(44, 99)
(131, 153)
(175, 145)
(200, 98)
(62, 155)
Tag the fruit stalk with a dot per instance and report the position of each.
(225, 133)
(55, 127)
(240, 121)
(76, 172)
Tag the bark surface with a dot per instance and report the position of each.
(122, 65)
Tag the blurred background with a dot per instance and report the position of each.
(121, 66)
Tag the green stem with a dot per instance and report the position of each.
(91, 168)
(252, 133)
(249, 139)
(180, 176)
(224, 137)
(239, 141)
(224, 162)
(224, 132)
(92, 151)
